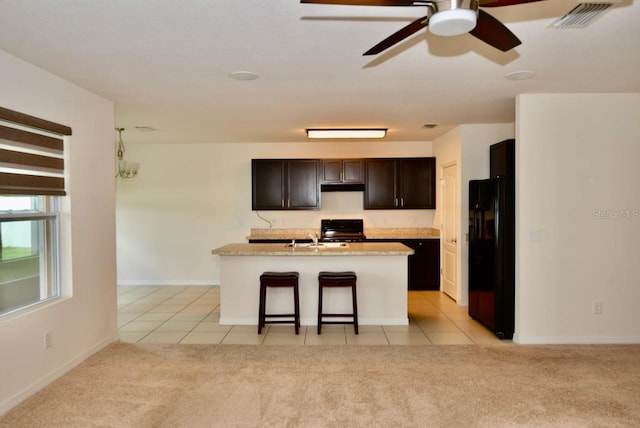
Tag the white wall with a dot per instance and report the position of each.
(191, 198)
(85, 319)
(577, 181)
(468, 147)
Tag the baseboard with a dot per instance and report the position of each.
(27, 392)
(169, 282)
(555, 340)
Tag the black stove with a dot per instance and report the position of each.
(342, 230)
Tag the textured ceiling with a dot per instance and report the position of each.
(165, 64)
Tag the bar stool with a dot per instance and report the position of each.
(337, 279)
(278, 279)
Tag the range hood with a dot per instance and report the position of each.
(342, 187)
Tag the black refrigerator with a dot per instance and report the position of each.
(492, 253)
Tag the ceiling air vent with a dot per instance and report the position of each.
(580, 16)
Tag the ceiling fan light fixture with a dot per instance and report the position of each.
(346, 133)
(452, 22)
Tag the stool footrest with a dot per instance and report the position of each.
(336, 315)
(278, 322)
(339, 322)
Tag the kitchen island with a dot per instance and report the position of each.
(381, 269)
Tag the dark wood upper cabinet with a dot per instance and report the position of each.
(417, 181)
(389, 183)
(380, 184)
(338, 171)
(400, 183)
(502, 159)
(285, 184)
(268, 184)
(303, 185)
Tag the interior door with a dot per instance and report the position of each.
(449, 232)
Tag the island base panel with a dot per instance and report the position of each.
(382, 288)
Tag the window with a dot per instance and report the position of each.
(28, 251)
(31, 183)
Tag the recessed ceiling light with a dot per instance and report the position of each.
(429, 125)
(243, 75)
(520, 75)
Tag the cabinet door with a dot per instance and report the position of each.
(352, 171)
(331, 171)
(431, 248)
(424, 264)
(380, 184)
(417, 183)
(336, 171)
(268, 184)
(303, 184)
(502, 159)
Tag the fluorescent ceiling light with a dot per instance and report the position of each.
(346, 133)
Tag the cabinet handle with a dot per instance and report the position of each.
(402, 202)
(282, 203)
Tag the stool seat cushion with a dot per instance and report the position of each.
(333, 276)
(280, 275)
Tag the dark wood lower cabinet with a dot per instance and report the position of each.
(423, 265)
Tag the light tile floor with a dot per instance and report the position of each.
(190, 314)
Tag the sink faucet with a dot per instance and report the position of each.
(314, 238)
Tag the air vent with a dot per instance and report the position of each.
(580, 16)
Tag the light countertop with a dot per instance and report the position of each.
(280, 249)
(370, 233)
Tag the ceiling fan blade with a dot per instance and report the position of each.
(493, 32)
(398, 36)
(363, 2)
(498, 3)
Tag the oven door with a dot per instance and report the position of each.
(341, 230)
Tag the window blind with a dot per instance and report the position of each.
(31, 155)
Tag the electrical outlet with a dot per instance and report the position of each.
(47, 340)
(596, 308)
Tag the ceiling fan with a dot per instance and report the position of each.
(446, 18)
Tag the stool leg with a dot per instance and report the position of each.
(319, 308)
(296, 303)
(355, 308)
(261, 308)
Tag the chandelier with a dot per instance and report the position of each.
(125, 169)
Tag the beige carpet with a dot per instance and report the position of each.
(129, 385)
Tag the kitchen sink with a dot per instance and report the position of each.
(318, 245)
